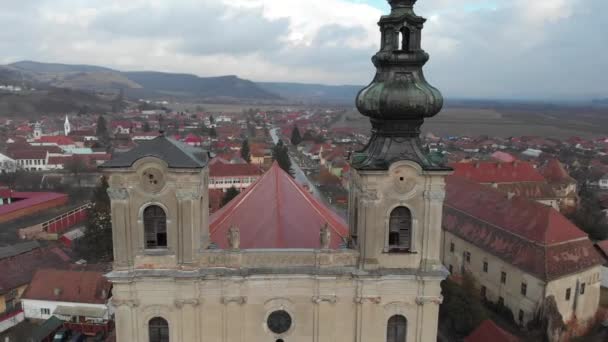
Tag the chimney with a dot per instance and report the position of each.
(57, 291)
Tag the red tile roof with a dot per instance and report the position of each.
(27, 199)
(493, 172)
(603, 246)
(28, 154)
(221, 169)
(18, 270)
(276, 212)
(529, 235)
(74, 286)
(489, 331)
(555, 172)
(57, 139)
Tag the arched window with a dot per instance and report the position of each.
(155, 227)
(396, 329)
(405, 38)
(158, 330)
(400, 230)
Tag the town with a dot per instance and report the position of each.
(51, 223)
(243, 171)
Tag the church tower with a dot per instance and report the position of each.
(159, 201)
(66, 126)
(37, 130)
(397, 188)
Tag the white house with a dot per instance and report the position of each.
(603, 182)
(71, 293)
(7, 165)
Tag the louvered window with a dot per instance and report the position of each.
(158, 330)
(155, 227)
(396, 330)
(400, 230)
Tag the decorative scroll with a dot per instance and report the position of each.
(421, 300)
(133, 303)
(118, 193)
(371, 299)
(435, 195)
(328, 299)
(181, 302)
(240, 300)
(188, 195)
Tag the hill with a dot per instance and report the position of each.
(157, 85)
(191, 86)
(140, 84)
(313, 93)
(50, 101)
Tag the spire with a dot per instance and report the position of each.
(399, 98)
(66, 126)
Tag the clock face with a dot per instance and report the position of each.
(153, 180)
(279, 322)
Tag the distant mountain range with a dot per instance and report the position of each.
(168, 86)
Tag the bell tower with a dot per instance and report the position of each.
(397, 189)
(160, 207)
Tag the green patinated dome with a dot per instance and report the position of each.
(399, 98)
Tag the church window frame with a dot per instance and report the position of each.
(392, 229)
(396, 328)
(158, 329)
(155, 231)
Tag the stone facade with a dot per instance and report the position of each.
(226, 295)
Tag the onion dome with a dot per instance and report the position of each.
(399, 98)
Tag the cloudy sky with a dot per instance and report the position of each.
(550, 49)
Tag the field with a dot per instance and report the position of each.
(501, 120)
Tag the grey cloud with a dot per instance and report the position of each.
(495, 54)
(198, 30)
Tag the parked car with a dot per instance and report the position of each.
(61, 335)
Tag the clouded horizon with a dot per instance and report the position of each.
(544, 49)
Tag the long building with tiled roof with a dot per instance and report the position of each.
(520, 251)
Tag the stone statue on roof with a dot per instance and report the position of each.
(234, 237)
(325, 236)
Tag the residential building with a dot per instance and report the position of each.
(78, 297)
(520, 252)
(520, 178)
(18, 264)
(7, 164)
(224, 176)
(603, 182)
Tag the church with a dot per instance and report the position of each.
(275, 264)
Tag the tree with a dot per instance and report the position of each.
(211, 119)
(296, 138)
(96, 244)
(230, 194)
(245, 151)
(102, 131)
(589, 216)
(147, 127)
(76, 167)
(280, 154)
(461, 309)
